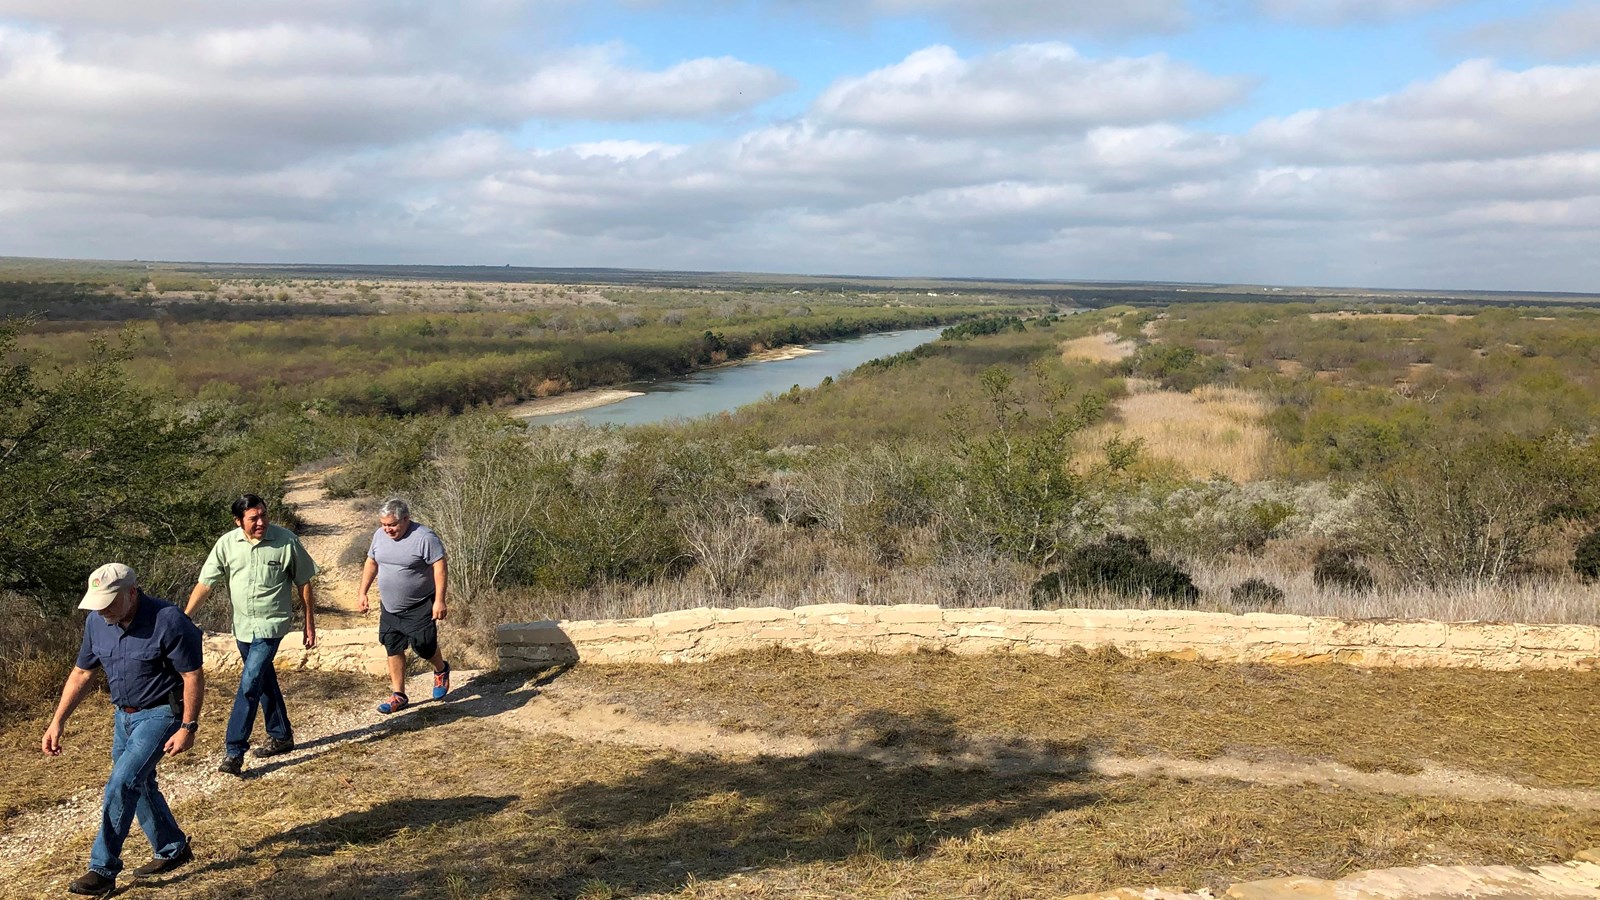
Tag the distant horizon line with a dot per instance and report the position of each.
(1063, 283)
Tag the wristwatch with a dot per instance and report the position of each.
(190, 727)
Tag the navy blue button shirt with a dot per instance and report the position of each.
(145, 661)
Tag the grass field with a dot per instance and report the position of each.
(479, 798)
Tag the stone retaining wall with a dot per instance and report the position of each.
(699, 634)
(338, 650)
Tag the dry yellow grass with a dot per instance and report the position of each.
(1211, 431)
(454, 801)
(1096, 348)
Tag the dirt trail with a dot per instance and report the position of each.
(580, 716)
(331, 528)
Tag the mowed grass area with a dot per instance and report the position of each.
(1538, 728)
(457, 801)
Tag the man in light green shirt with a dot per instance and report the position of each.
(265, 568)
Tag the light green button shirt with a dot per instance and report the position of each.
(261, 579)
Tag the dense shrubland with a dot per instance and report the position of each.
(1417, 465)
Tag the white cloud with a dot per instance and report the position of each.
(284, 48)
(241, 99)
(592, 85)
(1476, 110)
(1037, 88)
(374, 131)
(1559, 33)
(1339, 12)
(1021, 17)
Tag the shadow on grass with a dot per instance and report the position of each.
(657, 825)
(381, 823)
(366, 830)
(487, 695)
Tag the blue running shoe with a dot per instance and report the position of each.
(441, 683)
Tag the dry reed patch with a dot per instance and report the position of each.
(1552, 598)
(1542, 728)
(1096, 348)
(449, 804)
(1211, 431)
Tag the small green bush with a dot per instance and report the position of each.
(1586, 558)
(1337, 567)
(1256, 593)
(1120, 565)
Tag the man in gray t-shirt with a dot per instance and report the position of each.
(408, 562)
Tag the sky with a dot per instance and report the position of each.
(1446, 144)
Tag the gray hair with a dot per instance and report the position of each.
(396, 507)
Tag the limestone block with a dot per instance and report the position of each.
(1481, 636)
(1184, 620)
(1214, 636)
(675, 643)
(544, 632)
(1581, 638)
(904, 643)
(1588, 856)
(1031, 617)
(1555, 661)
(984, 630)
(1291, 636)
(1409, 634)
(1341, 633)
(779, 633)
(1416, 657)
(683, 620)
(1060, 634)
(1119, 619)
(1363, 657)
(1285, 656)
(617, 653)
(978, 646)
(1298, 887)
(910, 614)
(1164, 646)
(1275, 620)
(983, 615)
(607, 630)
(520, 657)
(837, 613)
(926, 630)
(754, 614)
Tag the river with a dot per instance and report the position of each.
(729, 387)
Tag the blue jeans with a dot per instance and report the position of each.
(131, 790)
(258, 686)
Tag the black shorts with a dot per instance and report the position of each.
(412, 628)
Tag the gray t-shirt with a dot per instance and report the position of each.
(405, 566)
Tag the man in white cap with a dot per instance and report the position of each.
(151, 655)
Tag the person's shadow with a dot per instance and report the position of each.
(486, 695)
(900, 790)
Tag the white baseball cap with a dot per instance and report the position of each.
(106, 584)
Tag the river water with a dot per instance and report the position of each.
(730, 387)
